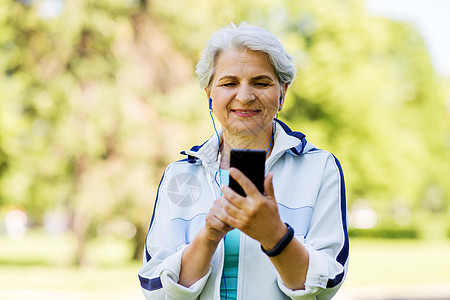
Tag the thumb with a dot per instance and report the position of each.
(268, 186)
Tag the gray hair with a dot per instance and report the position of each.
(244, 36)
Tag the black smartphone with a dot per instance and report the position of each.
(251, 162)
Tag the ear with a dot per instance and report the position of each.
(208, 94)
(283, 95)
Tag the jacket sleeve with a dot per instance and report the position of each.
(162, 258)
(327, 239)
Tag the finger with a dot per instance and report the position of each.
(268, 186)
(218, 211)
(221, 226)
(233, 198)
(214, 221)
(246, 184)
(227, 219)
(229, 207)
(216, 229)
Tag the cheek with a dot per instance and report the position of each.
(219, 105)
(275, 104)
(272, 103)
(220, 100)
(220, 108)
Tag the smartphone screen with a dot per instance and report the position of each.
(250, 162)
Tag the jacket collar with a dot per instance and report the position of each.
(285, 140)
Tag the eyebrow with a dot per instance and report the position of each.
(259, 77)
(263, 77)
(227, 77)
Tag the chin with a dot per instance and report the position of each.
(246, 130)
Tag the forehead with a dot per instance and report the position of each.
(243, 63)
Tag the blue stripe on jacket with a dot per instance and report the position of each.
(150, 284)
(343, 254)
(147, 254)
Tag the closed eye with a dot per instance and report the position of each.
(229, 84)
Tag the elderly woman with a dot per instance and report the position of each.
(206, 241)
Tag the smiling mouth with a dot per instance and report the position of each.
(245, 111)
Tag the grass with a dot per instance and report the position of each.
(398, 262)
(38, 267)
(85, 279)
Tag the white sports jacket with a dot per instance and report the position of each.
(309, 188)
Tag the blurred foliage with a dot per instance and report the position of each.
(393, 232)
(97, 97)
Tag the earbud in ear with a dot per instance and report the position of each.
(281, 101)
(210, 103)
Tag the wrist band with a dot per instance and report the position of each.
(281, 244)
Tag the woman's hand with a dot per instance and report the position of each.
(196, 259)
(215, 229)
(255, 215)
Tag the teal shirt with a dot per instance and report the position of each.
(228, 284)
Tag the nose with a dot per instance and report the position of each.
(245, 94)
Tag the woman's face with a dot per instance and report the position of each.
(245, 92)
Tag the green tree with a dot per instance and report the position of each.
(98, 97)
(82, 100)
(367, 90)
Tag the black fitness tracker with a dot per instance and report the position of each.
(281, 244)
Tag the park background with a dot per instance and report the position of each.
(98, 96)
